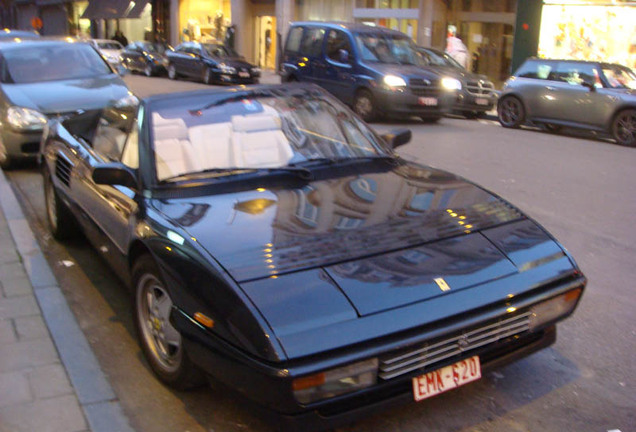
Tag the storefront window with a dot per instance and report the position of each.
(325, 10)
(79, 27)
(589, 32)
(204, 20)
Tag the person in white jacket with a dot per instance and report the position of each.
(456, 49)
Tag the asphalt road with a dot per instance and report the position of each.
(580, 187)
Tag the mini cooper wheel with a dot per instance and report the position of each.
(61, 221)
(364, 105)
(160, 341)
(511, 112)
(172, 72)
(148, 70)
(624, 128)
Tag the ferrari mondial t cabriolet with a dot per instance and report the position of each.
(275, 243)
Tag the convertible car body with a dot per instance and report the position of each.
(277, 244)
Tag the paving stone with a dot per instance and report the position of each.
(14, 389)
(8, 254)
(30, 327)
(14, 307)
(26, 355)
(60, 414)
(10, 271)
(18, 286)
(7, 332)
(50, 381)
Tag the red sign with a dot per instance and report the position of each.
(36, 23)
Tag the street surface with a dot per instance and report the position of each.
(581, 188)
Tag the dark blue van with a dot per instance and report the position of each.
(377, 71)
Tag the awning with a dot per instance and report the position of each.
(114, 9)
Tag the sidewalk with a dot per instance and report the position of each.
(50, 380)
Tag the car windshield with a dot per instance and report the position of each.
(221, 135)
(439, 59)
(111, 45)
(25, 64)
(620, 77)
(215, 50)
(388, 49)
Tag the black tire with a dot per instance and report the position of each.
(364, 105)
(291, 79)
(160, 342)
(148, 70)
(511, 112)
(6, 162)
(61, 221)
(624, 127)
(430, 119)
(172, 72)
(471, 115)
(207, 76)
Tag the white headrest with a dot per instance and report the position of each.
(255, 123)
(169, 128)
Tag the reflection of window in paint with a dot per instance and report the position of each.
(414, 257)
(364, 188)
(446, 197)
(306, 212)
(421, 201)
(348, 223)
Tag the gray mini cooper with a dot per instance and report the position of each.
(571, 93)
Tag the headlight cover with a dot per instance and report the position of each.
(335, 382)
(557, 307)
(227, 69)
(451, 83)
(25, 118)
(394, 81)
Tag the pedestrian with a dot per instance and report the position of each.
(119, 37)
(456, 48)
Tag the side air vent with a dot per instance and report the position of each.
(63, 170)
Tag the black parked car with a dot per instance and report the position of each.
(375, 70)
(10, 34)
(145, 57)
(273, 241)
(211, 63)
(477, 94)
(44, 79)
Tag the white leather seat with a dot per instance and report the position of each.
(212, 145)
(173, 151)
(259, 142)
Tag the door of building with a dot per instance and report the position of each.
(266, 42)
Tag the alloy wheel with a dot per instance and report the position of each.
(172, 72)
(364, 106)
(50, 200)
(624, 128)
(4, 156)
(511, 112)
(148, 70)
(159, 336)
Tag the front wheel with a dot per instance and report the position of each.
(61, 221)
(624, 128)
(511, 112)
(148, 70)
(161, 343)
(364, 105)
(207, 76)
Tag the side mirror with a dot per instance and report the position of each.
(115, 174)
(397, 137)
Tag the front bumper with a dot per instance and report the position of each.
(479, 103)
(405, 101)
(270, 385)
(21, 145)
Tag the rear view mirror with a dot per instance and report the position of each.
(397, 137)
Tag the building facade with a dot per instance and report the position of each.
(498, 34)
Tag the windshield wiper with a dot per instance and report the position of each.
(340, 160)
(303, 173)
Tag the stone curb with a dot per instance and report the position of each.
(94, 393)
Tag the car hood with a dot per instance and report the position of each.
(404, 71)
(52, 97)
(237, 62)
(260, 233)
(458, 73)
